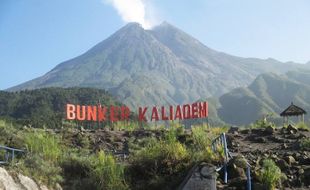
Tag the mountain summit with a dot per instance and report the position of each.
(158, 66)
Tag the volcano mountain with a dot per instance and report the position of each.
(155, 67)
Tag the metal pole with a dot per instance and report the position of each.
(7, 155)
(248, 177)
(226, 156)
(225, 173)
(225, 147)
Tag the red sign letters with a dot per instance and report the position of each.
(122, 113)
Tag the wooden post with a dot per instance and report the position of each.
(303, 118)
(287, 120)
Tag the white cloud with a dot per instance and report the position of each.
(132, 11)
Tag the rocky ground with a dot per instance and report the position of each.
(282, 145)
(279, 144)
(254, 145)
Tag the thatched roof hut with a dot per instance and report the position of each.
(293, 110)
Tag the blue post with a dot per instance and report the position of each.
(13, 155)
(226, 156)
(7, 155)
(222, 140)
(225, 148)
(248, 175)
(225, 173)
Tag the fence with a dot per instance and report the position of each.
(10, 154)
(221, 141)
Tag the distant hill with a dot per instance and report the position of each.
(268, 93)
(46, 106)
(158, 66)
(302, 76)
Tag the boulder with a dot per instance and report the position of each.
(259, 186)
(269, 130)
(234, 172)
(291, 129)
(290, 160)
(304, 160)
(200, 177)
(260, 140)
(283, 165)
(21, 183)
(238, 183)
(239, 161)
(7, 182)
(277, 139)
(306, 176)
(245, 131)
(236, 167)
(303, 129)
(27, 183)
(284, 146)
(43, 187)
(233, 130)
(258, 132)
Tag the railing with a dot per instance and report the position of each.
(221, 141)
(9, 154)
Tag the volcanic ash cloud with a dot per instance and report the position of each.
(131, 11)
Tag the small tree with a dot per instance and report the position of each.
(270, 175)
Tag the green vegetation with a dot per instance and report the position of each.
(268, 93)
(262, 123)
(162, 163)
(158, 163)
(107, 174)
(43, 144)
(305, 143)
(270, 174)
(46, 107)
(202, 137)
(68, 157)
(302, 125)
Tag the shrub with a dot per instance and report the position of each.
(107, 174)
(262, 123)
(41, 170)
(302, 125)
(159, 164)
(10, 135)
(82, 140)
(43, 144)
(202, 139)
(270, 174)
(160, 153)
(126, 125)
(76, 168)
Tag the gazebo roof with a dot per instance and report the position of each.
(293, 110)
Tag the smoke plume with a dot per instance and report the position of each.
(131, 11)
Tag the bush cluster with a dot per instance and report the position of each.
(270, 174)
(156, 162)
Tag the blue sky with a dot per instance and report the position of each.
(36, 35)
